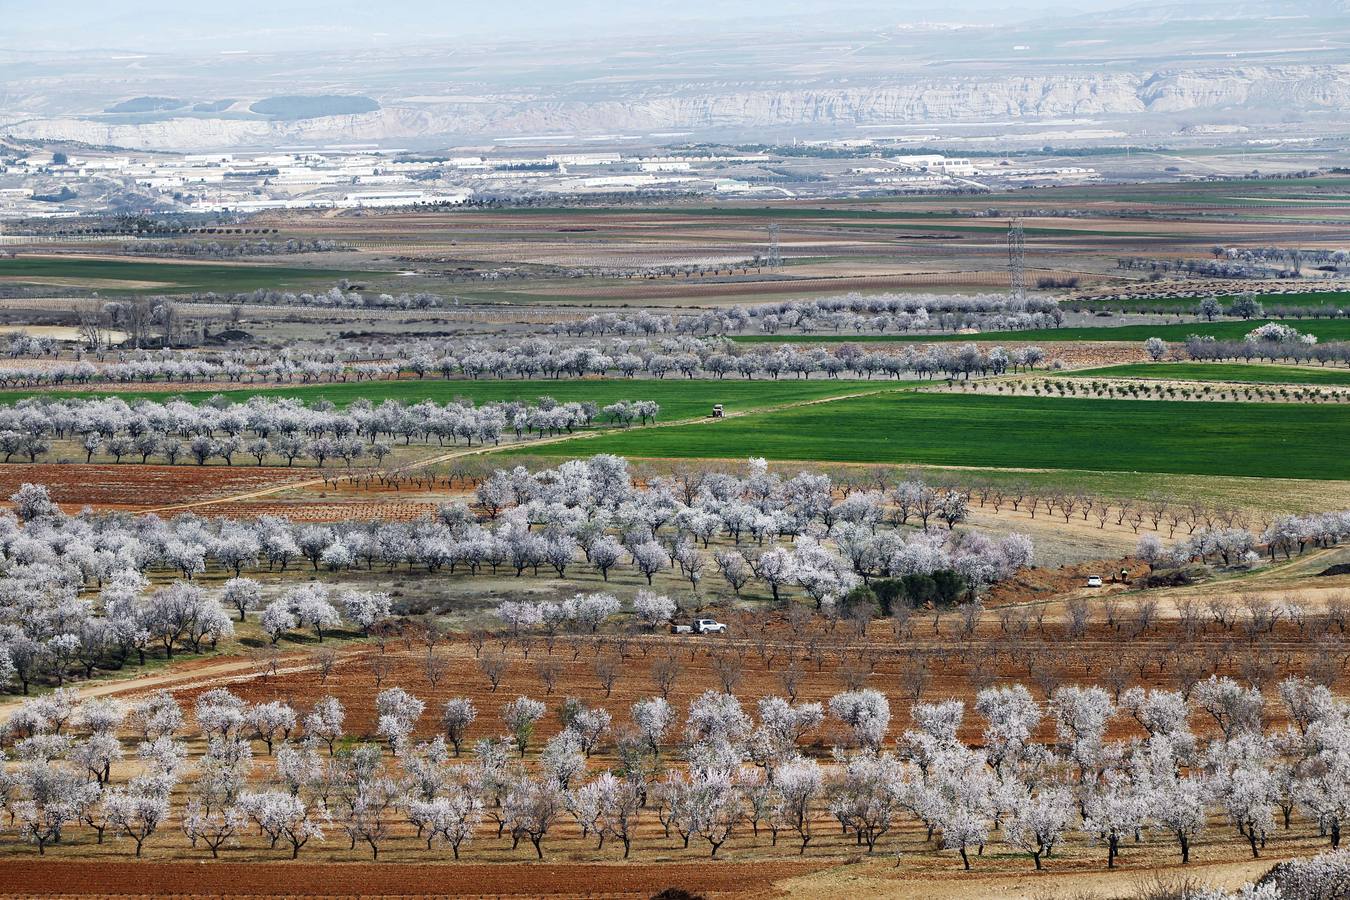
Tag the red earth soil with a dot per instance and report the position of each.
(1030, 585)
(35, 878)
(134, 486)
(323, 511)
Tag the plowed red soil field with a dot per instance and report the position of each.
(132, 486)
(38, 878)
(952, 672)
(319, 511)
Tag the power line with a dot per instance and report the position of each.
(1017, 252)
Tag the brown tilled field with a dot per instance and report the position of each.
(934, 655)
(306, 879)
(382, 510)
(1133, 638)
(904, 243)
(134, 487)
(1030, 630)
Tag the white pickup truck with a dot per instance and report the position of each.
(700, 626)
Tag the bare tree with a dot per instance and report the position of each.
(902, 620)
(665, 672)
(1145, 614)
(432, 633)
(1123, 511)
(854, 675)
(1188, 616)
(1338, 611)
(606, 672)
(380, 666)
(1142, 659)
(266, 661)
(165, 313)
(915, 679)
(1038, 613)
(971, 613)
(729, 667)
(1047, 680)
(1257, 668)
(1323, 666)
(493, 666)
(577, 644)
(982, 670)
(1188, 671)
(324, 660)
(1080, 616)
(1221, 610)
(548, 669)
(1261, 615)
(92, 328)
(1111, 606)
(1116, 676)
(790, 676)
(1157, 511)
(435, 667)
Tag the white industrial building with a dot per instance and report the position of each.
(942, 165)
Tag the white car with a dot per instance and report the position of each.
(700, 626)
(1094, 581)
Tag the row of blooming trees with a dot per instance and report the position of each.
(873, 313)
(271, 430)
(533, 358)
(708, 773)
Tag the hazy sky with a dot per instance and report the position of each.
(274, 24)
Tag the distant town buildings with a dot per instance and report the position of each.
(49, 185)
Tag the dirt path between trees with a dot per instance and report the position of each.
(189, 674)
(851, 882)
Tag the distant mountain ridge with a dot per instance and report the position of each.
(1219, 10)
(710, 107)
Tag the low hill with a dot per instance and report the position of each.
(313, 106)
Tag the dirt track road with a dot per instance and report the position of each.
(189, 674)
